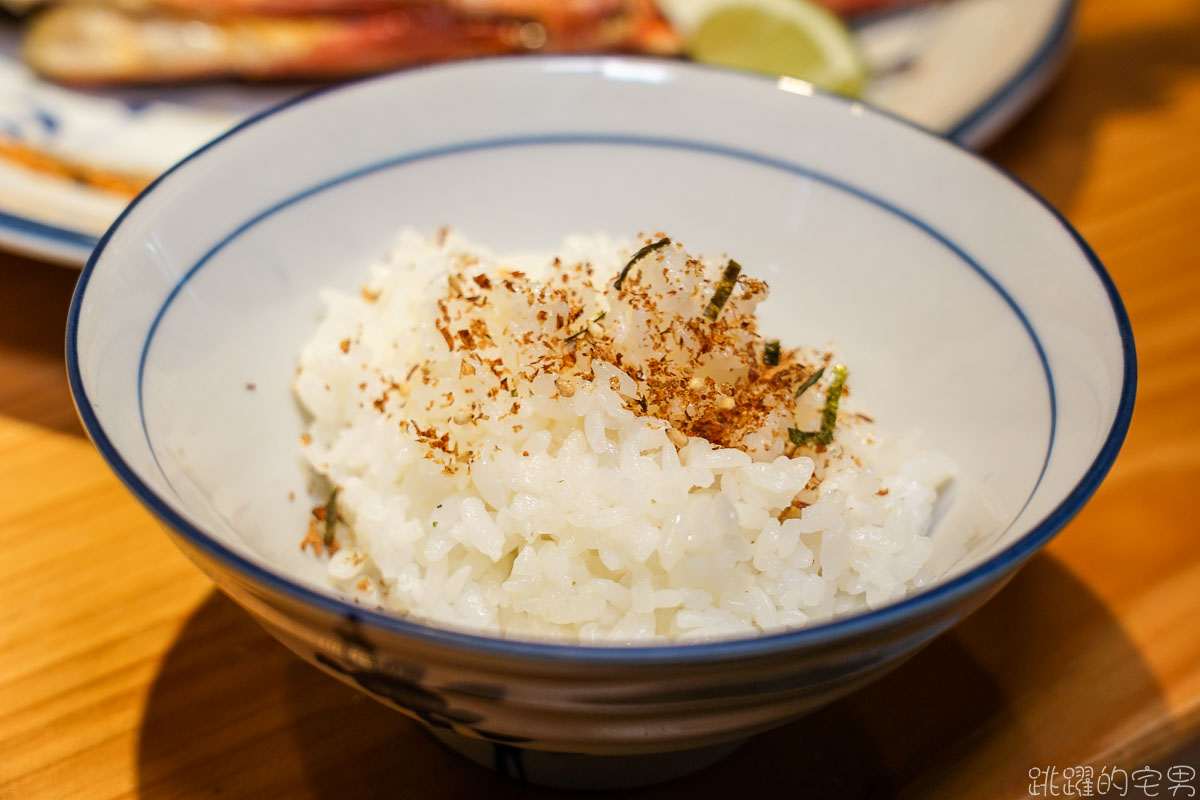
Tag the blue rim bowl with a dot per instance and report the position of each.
(139, 343)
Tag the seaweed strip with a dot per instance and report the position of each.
(330, 517)
(723, 290)
(809, 381)
(771, 353)
(638, 256)
(833, 396)
(584, 329)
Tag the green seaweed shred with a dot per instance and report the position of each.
(723, 290)
(584, 329)
(330, 517)
(638, 256)
(809, 381)
(771, 353)
(833, 396)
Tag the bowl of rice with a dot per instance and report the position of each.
(599, 413)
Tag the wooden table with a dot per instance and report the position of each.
(123, 673)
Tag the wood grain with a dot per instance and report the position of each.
(123, 674)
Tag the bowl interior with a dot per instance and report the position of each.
(941, 283)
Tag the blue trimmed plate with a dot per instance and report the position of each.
(962, 68)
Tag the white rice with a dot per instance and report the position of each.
(577, 518)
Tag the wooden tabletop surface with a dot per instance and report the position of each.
(123, 673)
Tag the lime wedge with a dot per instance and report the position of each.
(780, 37)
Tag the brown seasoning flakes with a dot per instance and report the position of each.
(703, 377)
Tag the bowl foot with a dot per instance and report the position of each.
(582, 771)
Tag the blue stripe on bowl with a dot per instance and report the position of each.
(604, 139)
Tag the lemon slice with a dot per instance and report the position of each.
(779, 37)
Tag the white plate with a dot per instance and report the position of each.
(962, 68)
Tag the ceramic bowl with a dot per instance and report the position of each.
(968, 308)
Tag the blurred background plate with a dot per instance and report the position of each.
(70, 160)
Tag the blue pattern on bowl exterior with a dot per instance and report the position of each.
(942, 281)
